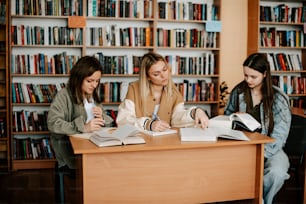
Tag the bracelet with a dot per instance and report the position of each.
(151, 125)
(145, 124)
(193, 112)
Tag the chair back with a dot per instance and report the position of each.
(296, 141)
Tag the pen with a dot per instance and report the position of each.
(154, 114)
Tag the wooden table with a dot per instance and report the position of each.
(166, 170)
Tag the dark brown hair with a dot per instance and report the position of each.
(260, 63)
(84, 67)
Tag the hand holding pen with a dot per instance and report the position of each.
(159, 125)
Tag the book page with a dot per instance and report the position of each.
(105, 141)
(133, 140)
(198, 134)
(125, 131)
(210, 134)
(248, 120)
(232, 134)
(103, 131)
(166, 132)
(220, 121)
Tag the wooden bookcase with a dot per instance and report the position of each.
(4, 87)
(114, 52)
(268, 23)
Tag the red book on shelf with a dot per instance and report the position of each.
(281, 61)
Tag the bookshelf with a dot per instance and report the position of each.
(277, 28)
(118, 33)
(4, 84)
(44, 44)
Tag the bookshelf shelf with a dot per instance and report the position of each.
(120, 19)
(146, 23)
(40, 75)
(34, 164)
(277, 28)
(31, 132)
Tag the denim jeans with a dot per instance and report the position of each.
(275, 174)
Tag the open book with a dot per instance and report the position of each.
(235, 121)
(210, 134)
(166, 132)
(123, 135)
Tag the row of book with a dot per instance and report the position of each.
(113, 91)
(197, 91)
(187, 10)
(270, 37)
(45, 35)
(112, 35)
(119, 64)
(298, 102)
(47, 7)
(189, 38)
(284, 62)
(32, 148)
(187, 65)
(62, 63)
(34, 121)
(30, 121)
(120, 8)
(34, 93)
(283, 13)
(191, 91)
(42, 64)
(290, 84)
(180, 65)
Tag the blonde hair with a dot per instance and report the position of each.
(148, 60)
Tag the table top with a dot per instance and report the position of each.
(164, 142)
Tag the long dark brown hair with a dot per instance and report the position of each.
(259, 62)
(84, 67)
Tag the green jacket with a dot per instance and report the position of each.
(66, 118)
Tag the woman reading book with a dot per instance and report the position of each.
(154, 103)
(77, 108)
(257, 96)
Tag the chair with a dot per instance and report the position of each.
(295, 148)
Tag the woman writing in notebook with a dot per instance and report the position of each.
(75, 109)
(257, 96)
(154, 103)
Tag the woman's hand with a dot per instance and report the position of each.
(97, 112)
(201, 118)
(94, 124)
(159, 126)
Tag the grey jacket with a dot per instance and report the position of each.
(282, 118)
(66, 118)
